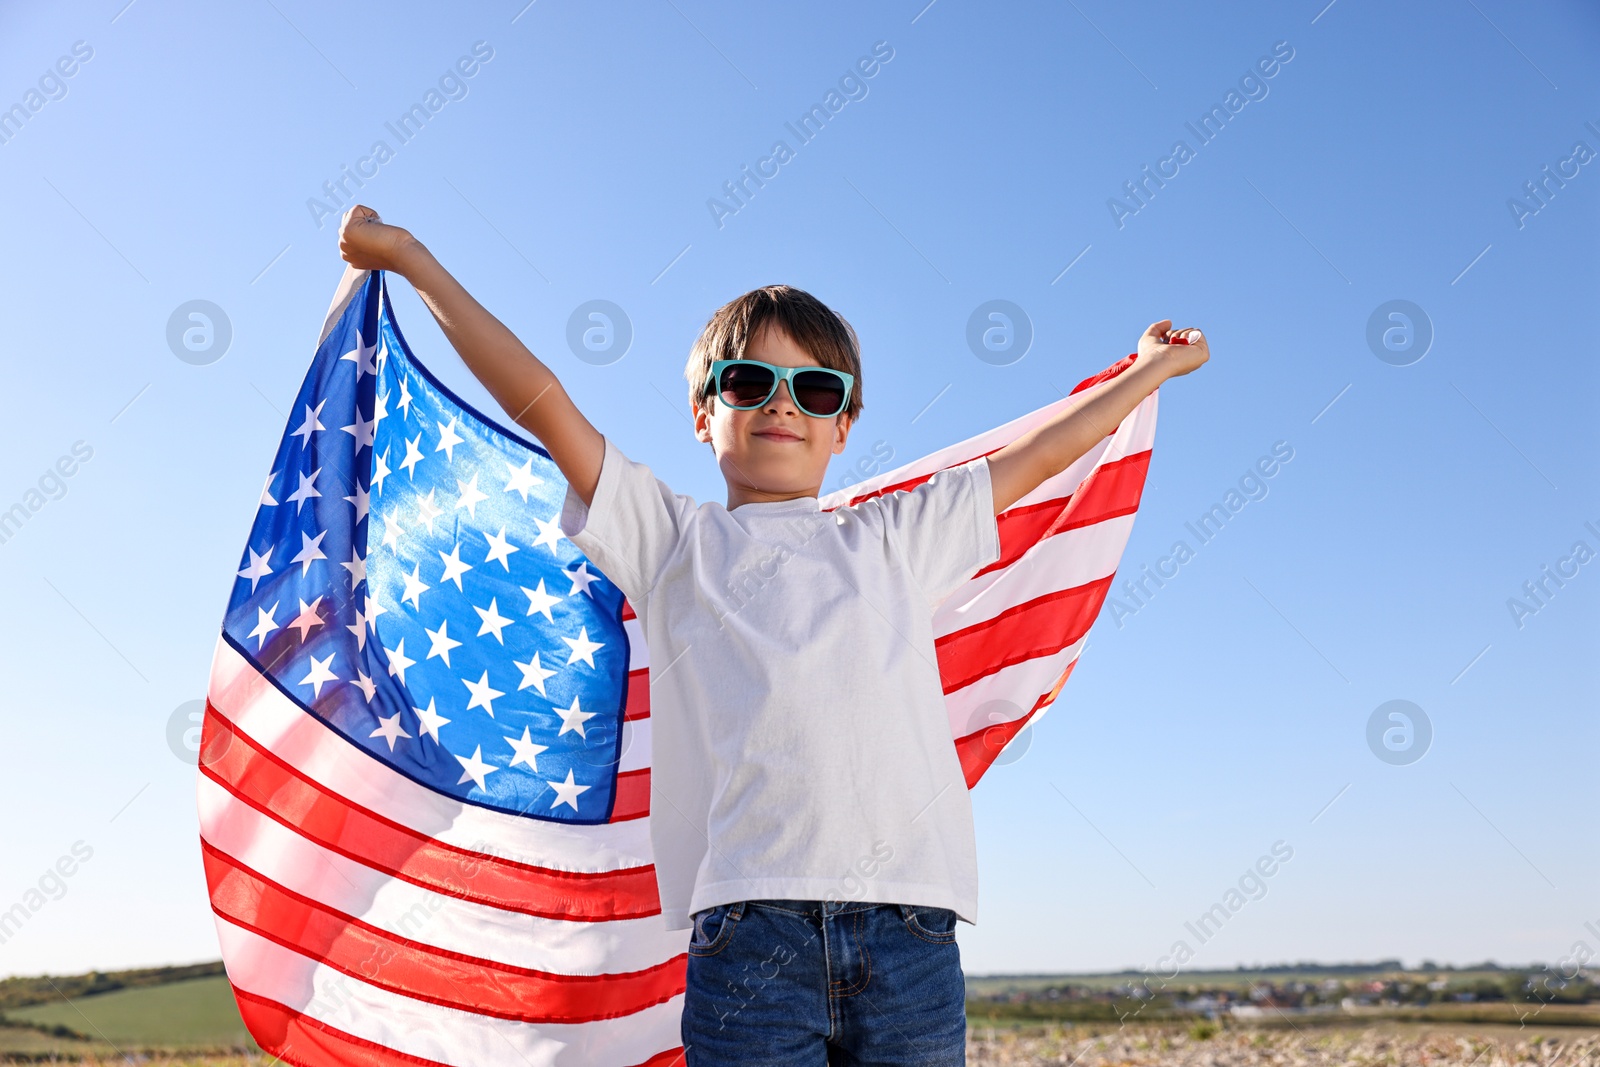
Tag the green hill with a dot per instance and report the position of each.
(196, 1012)
(107, 1014)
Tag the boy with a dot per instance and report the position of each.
(798, 726)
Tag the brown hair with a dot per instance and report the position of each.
(815, 327)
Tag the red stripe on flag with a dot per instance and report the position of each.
(1038, 627)
(911, 483)
(1110, 490)
(632, 796)
(306, 1042)
(638, 703)
(979, 749)
(259, 779)
(422, 972)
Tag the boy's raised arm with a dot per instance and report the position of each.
(527, 389)
(1045, 451)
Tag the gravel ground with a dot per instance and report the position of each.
(1280, 1048)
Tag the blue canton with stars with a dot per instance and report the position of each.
(408, 583)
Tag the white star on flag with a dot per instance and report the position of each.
(380, 471)
(549, 534)
(308, 618)
(566, 792)
(581, 579)
(470, 496)
(306, 489)
(398, 661)
(453, 567)
(431, 720)
(541, 601)
(522, 479)
(312, 423)
(414, 587)
(573, 719)
(413, 457)
(357, 568)
(533, 674)
(448, 439)
(427, 511)
(583, 648)
(483, 694)
(362, 501)
(500, 549)
(319, 674)
(265, 624)
(258, 569)
(390, 729)
(527, 753)
(363, 430)
(266, 490)
(442, 642)
(310, 551)
(368, 687)
(493, 621)
(475, 769)
(361, 356)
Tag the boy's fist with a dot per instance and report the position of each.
(366, 242)
(1176, 351)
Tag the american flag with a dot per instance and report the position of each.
(424, 774)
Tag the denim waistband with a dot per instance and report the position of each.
(820, 907)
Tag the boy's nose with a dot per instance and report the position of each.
(781, 399)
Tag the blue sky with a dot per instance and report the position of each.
(1227, 713)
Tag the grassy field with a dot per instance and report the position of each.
(186, 1017)
(196, 1013)
(1384, 1045)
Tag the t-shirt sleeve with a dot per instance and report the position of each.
(946, 526)
(631, 526)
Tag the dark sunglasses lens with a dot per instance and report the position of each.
(742, 384)
(819, 393)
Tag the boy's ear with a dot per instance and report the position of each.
(841, 432)
(702, 422)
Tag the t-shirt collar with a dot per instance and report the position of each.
(808, 504)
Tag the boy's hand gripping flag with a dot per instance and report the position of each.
(424, 773)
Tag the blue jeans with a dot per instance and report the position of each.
(804, 983)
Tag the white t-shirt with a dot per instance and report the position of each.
(800, 743)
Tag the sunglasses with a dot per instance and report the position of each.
(744, 384)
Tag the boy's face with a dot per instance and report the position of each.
(776, 451)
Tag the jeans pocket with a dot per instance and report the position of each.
(937, 925)
(713, 928)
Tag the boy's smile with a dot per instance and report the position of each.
(776, 451)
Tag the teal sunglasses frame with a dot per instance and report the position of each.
(779, 374)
